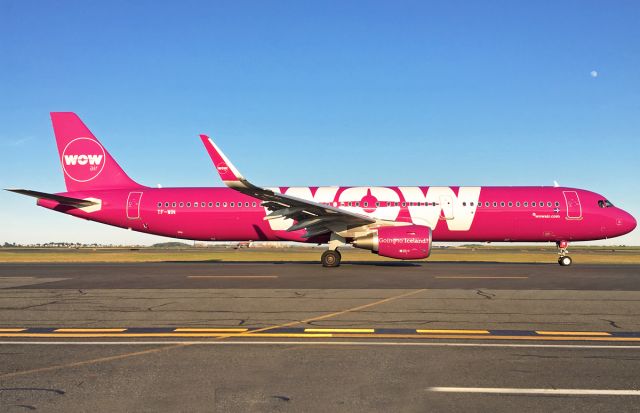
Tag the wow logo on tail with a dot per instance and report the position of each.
(83, 159)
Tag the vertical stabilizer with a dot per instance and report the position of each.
(86, 164)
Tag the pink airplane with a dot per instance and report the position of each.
(397, 222)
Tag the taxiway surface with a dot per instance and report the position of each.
(298, 337)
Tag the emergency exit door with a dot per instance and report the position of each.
(446, 205)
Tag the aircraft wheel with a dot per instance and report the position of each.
(330, 258)
(564, 261)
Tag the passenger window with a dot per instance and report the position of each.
(246, 204)
(471, 204)
(486, 204)
(239, 204)
(533, 204)
(173, 205)
(557, 203)
(166, 204)
(188, 204)
(377, 204)
(518, 204)
(404, 204)
(366, 204)
(549, 204)
(253, 204)
(195, 205)
(510, 204)
(464, 204)
(232, 204)
(502, 204)
(210, 204)
(159, 204)
(224, 204)
(495, 204)
(526, 204)
(181, 204)
(217, 204)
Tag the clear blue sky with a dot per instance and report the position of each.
(314, 93)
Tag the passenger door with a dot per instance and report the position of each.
(574, 209)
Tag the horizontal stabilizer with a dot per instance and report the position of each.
(64, 200)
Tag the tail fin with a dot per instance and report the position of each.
(86, 164)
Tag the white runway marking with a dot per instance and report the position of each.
(313, 343)
(563, 392)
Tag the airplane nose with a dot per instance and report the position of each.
(626, 222)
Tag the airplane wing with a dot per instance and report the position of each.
(315, 218)
(64, 200)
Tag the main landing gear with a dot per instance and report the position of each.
(332, 257)
(563, 259)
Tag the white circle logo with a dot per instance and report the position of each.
(83, 159)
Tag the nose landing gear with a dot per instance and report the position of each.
(563, 259)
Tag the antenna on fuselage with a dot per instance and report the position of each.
(556, 184)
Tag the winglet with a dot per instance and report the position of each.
(228, 172)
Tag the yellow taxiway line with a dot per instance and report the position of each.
(323, 335)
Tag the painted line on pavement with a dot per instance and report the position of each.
(249, 335)
(327, 343)
(564, 392)
(231, 276)
(339, 330)
(89, 330)
(209, 330)
(453, 331)
(288, 332)
(573, 333)
(479, 278)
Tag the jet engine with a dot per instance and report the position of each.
(407, 242)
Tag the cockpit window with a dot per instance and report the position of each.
(604, 203)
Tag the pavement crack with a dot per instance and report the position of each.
(611, 323)
(56, 391)
(154, 307)
(26, 406)
(488, 296)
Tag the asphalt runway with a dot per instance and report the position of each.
(311, 275)
(299, 337)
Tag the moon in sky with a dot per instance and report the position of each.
(594, 73)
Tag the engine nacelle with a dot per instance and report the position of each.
(407, 242)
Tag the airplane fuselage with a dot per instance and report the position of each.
(480, 214)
